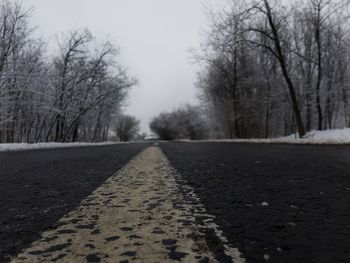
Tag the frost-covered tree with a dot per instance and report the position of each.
(73, 95)
(127, 128)
(271, 68)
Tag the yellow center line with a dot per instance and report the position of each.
(133, 216)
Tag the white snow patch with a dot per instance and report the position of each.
(332, 137)
(267, 257)
(28, 146)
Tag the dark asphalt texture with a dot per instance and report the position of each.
(38, 187)
(307, 189)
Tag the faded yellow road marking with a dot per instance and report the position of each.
(137, 215)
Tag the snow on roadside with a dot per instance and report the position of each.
(28, 146)
(332, 137)
(339, 136)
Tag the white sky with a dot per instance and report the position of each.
(154, 35)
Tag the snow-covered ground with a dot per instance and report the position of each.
(340, 136)
(27, 146)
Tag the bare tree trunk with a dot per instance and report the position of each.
(75, 133)
(284, 69)
(319, 64)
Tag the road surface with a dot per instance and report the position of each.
(188, 202)
(38, 187)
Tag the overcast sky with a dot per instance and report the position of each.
(154, 35)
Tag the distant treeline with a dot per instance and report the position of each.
(73, 95)
(185, 122)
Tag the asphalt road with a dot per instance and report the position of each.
(275, 203)
(38, 187)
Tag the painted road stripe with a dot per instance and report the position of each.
(141, 214)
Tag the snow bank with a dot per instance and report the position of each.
(332, 137)
(27, 146)
(340, 136)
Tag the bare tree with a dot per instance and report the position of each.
(270, 68)
(70, 97)
(127, 128)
